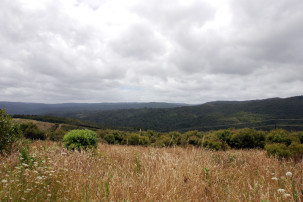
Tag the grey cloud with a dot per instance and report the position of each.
(166, 52)
(173, 14)
(139, 42)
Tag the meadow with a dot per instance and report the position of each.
(46, 171)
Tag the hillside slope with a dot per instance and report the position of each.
(212, 115)
(40, 108)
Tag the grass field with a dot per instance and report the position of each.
(47, 172)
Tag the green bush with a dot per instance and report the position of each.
(9, 132)
(144, 140)
(296, 150)
(80, 139)
(57, 135)
(225, 135)
(164, 141)
(212, 141)
(131, 139)
(278, 149)
(248, 138)
(216, 145)
(110, 138)
(31, 131)
(279, 136)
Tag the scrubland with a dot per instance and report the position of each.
(46, 171)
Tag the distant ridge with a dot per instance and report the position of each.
(260, 114)
(40, 108)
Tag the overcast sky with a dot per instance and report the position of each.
(184, 51)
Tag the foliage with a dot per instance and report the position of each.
(131, 139)
(247, 138)
(31, 131)
(279, 136)
(109, 138)
(57, 135)
(278, 149)
(263, 114)
(80, 139)
(212, 141)
(9, 132)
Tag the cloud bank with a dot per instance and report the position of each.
(191, 51)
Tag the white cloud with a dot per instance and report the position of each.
(134, 50)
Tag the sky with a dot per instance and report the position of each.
(179, 51)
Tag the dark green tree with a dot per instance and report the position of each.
(9, 132)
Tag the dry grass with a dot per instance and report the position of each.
(41, 125)
(125, 173)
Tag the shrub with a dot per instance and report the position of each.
(245, 138)
(9, 132)
(194, 140)
(57, 135)
(131, 139)
(31, 131)
(144, 140)
(109, 138)
(80, 139)
(163, 141)
(296, 150)
(216, 145)
(278, 149)
(279, 136)
(225, 135)
(212, 141)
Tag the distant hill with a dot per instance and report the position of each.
(260, 114)
(40, 109)
(263, 114)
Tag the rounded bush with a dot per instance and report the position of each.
(80, 139)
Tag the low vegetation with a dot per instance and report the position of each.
(9, 132)
(80, 139)
(233, 165)
(136, 173)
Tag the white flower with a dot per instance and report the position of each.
(4, 181)
(274, 178)
(289, 174)
(281, 190)
(286, 195)
(24, 164)
(39, 178)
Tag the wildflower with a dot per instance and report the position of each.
(274, 178)
(288, 174)
(4, 181)
(281, 190)
(24, 164)
(286, 195)
(49, 195)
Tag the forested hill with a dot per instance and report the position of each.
(40, 109)
(263, 114)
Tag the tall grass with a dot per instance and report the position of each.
(126, 173)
